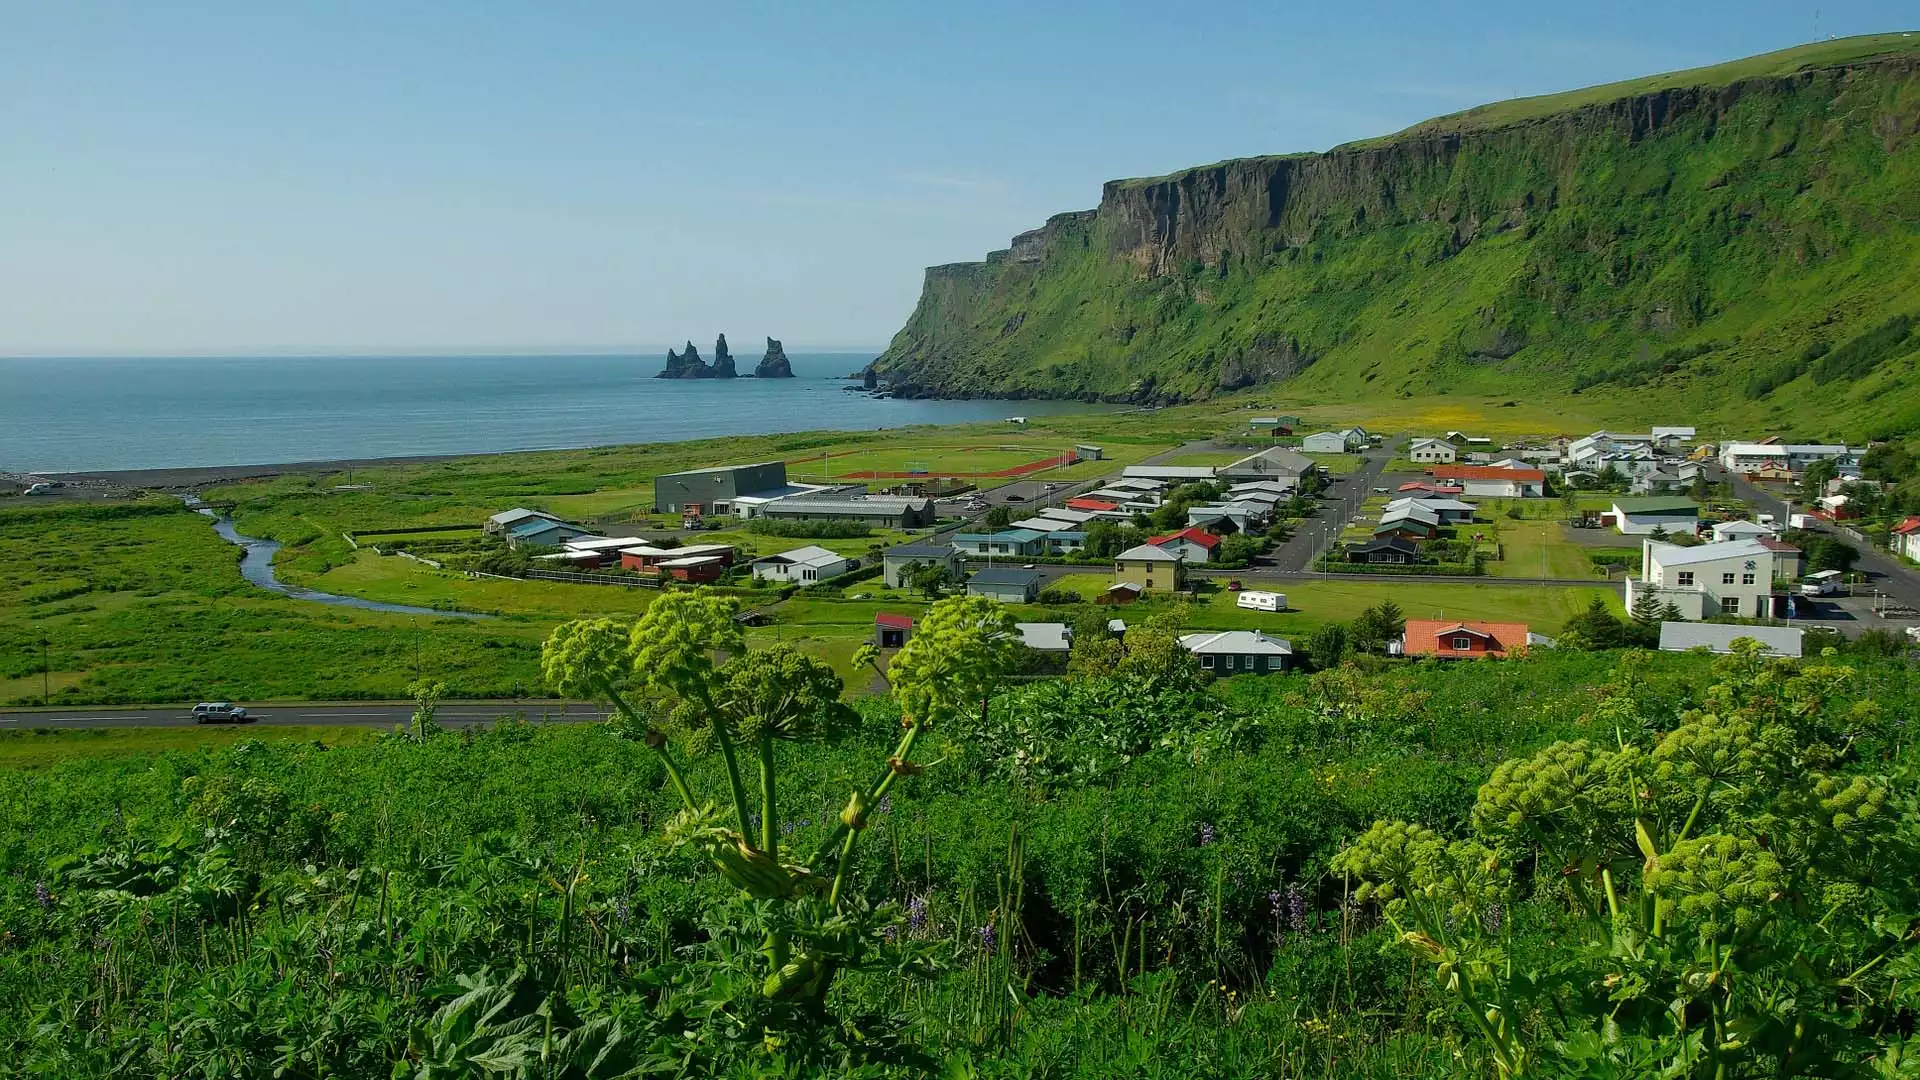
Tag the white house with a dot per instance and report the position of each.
(1734, 578)
(802, 565)
(1235, 652)
(1325, 442)
(1493, 482)
(1669, 437)
(1665, 513)
(1432, 451)
(1724, 531)
(1741, 457)
(1449, 510)
(1905, 539)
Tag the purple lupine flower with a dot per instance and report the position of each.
(917, 914)
(1206, 833)
(622, 910)
(1494, 917)
(753, 819)
(986, 936)
(889, 932)
(43, 895)
(786, 828)
(1276, 903)
(886, 805)
(1296, 907)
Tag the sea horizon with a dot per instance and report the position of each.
(108, 413)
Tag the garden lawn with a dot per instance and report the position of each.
(1537, 548)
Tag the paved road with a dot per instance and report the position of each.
(1341, 500)
(309, 713)
(1884, 574)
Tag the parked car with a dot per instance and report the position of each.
(220, 712)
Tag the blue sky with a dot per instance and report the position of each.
(231, 177)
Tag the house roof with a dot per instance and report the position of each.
(1486, 472)
(893, 622)
(517, 514)
(1911, 525)
(862, 506)
(1405, 523)
(1424, 636)
(1084, 503)
(1045, 636)
(920, 551)
(704, 549)
(536, 526)
(601, 543)
(1674, 555)
(1277, 460)
(1236, 642)
(1437, 489)
(1742, 527)
(690, 561)
(1386, 543)
(1418, 443)
(1657, 504)
(995, 575)
(1195, 535)
(1146, 553)
(1410, 509)
(1432, 502)
(1777, 545)
(811, 555)
(1681, 636)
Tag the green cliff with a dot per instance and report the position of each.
(1738, 241)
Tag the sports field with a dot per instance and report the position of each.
(971, 462)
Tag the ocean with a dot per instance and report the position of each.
(71, 415)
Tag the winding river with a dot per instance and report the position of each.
(256, 565)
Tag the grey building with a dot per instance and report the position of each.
(880, 511)
(1004, 585)
(713, 489)
(895, 561)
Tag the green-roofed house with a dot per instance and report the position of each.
(1641, 517)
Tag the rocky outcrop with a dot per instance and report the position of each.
(774, 365)
(722, 360)
(1523, 245)
(686, 365)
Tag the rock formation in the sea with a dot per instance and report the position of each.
(686, 365)
(722, 360)
(774, 365)
(870, 379)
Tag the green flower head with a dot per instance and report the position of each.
(963, 647)
(582, 656)
(783, 691)
(672, 647)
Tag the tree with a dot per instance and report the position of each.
(1327, 645)
(1103, 539)
(1645, 616)
(1096, 652)
(1376, 627)
(1813, 479)
(1670, 612)
(928, 579)
(1594, 628)
(1610, 477)
(1155, 656)
(1239, 549)
(999, 517)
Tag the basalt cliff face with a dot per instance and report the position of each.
(1677, 237)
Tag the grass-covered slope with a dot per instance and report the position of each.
(1731, 242)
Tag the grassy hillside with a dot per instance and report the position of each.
(1734, 242)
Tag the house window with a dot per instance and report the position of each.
(1746, 579)
(1686, 577)
(1729, 605)
(1726, 579)
(1232, 662)
(1206, 661)
(1462, 644)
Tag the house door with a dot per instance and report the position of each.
(892, 639)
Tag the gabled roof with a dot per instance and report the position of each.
(1907, 527)
(1486, 472)
(1084, 503)
(1432, 637)
(1386, 543)
(893, 622)
(811, 555)
(1441, 503)
(518, 514)
(1146, 553)
(1657, 504)
(1410, 510)
(1193, 535)
(1418, 443)
(536, 526)
(1674, 555)
(1237, 643)
(996, 575)
(1780, 547)
(1742, 527)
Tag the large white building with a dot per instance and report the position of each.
(1733, 578)
(1751, 457)
(1432, 451)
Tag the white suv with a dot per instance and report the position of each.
(219, 712)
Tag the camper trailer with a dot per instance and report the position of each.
(1262, 601)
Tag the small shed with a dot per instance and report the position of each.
(891, 631)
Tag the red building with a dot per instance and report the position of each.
(1091, 505)
(1445, 638)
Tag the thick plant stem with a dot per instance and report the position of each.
(776, 945)
(902, 752)
(674, 775)
(725, 742)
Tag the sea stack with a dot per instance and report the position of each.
(686, 365)
(774, 365)
(722, 360)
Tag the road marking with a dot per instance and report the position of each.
(347, 714)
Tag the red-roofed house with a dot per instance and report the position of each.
(1494, 481)
(1906, 539)
(1195, 544)
(891, 631)
(1454, 639)
(1427, 487)
(1092, 505)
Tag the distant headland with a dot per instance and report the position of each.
(688, 365)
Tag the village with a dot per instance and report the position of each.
(1683, 534)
